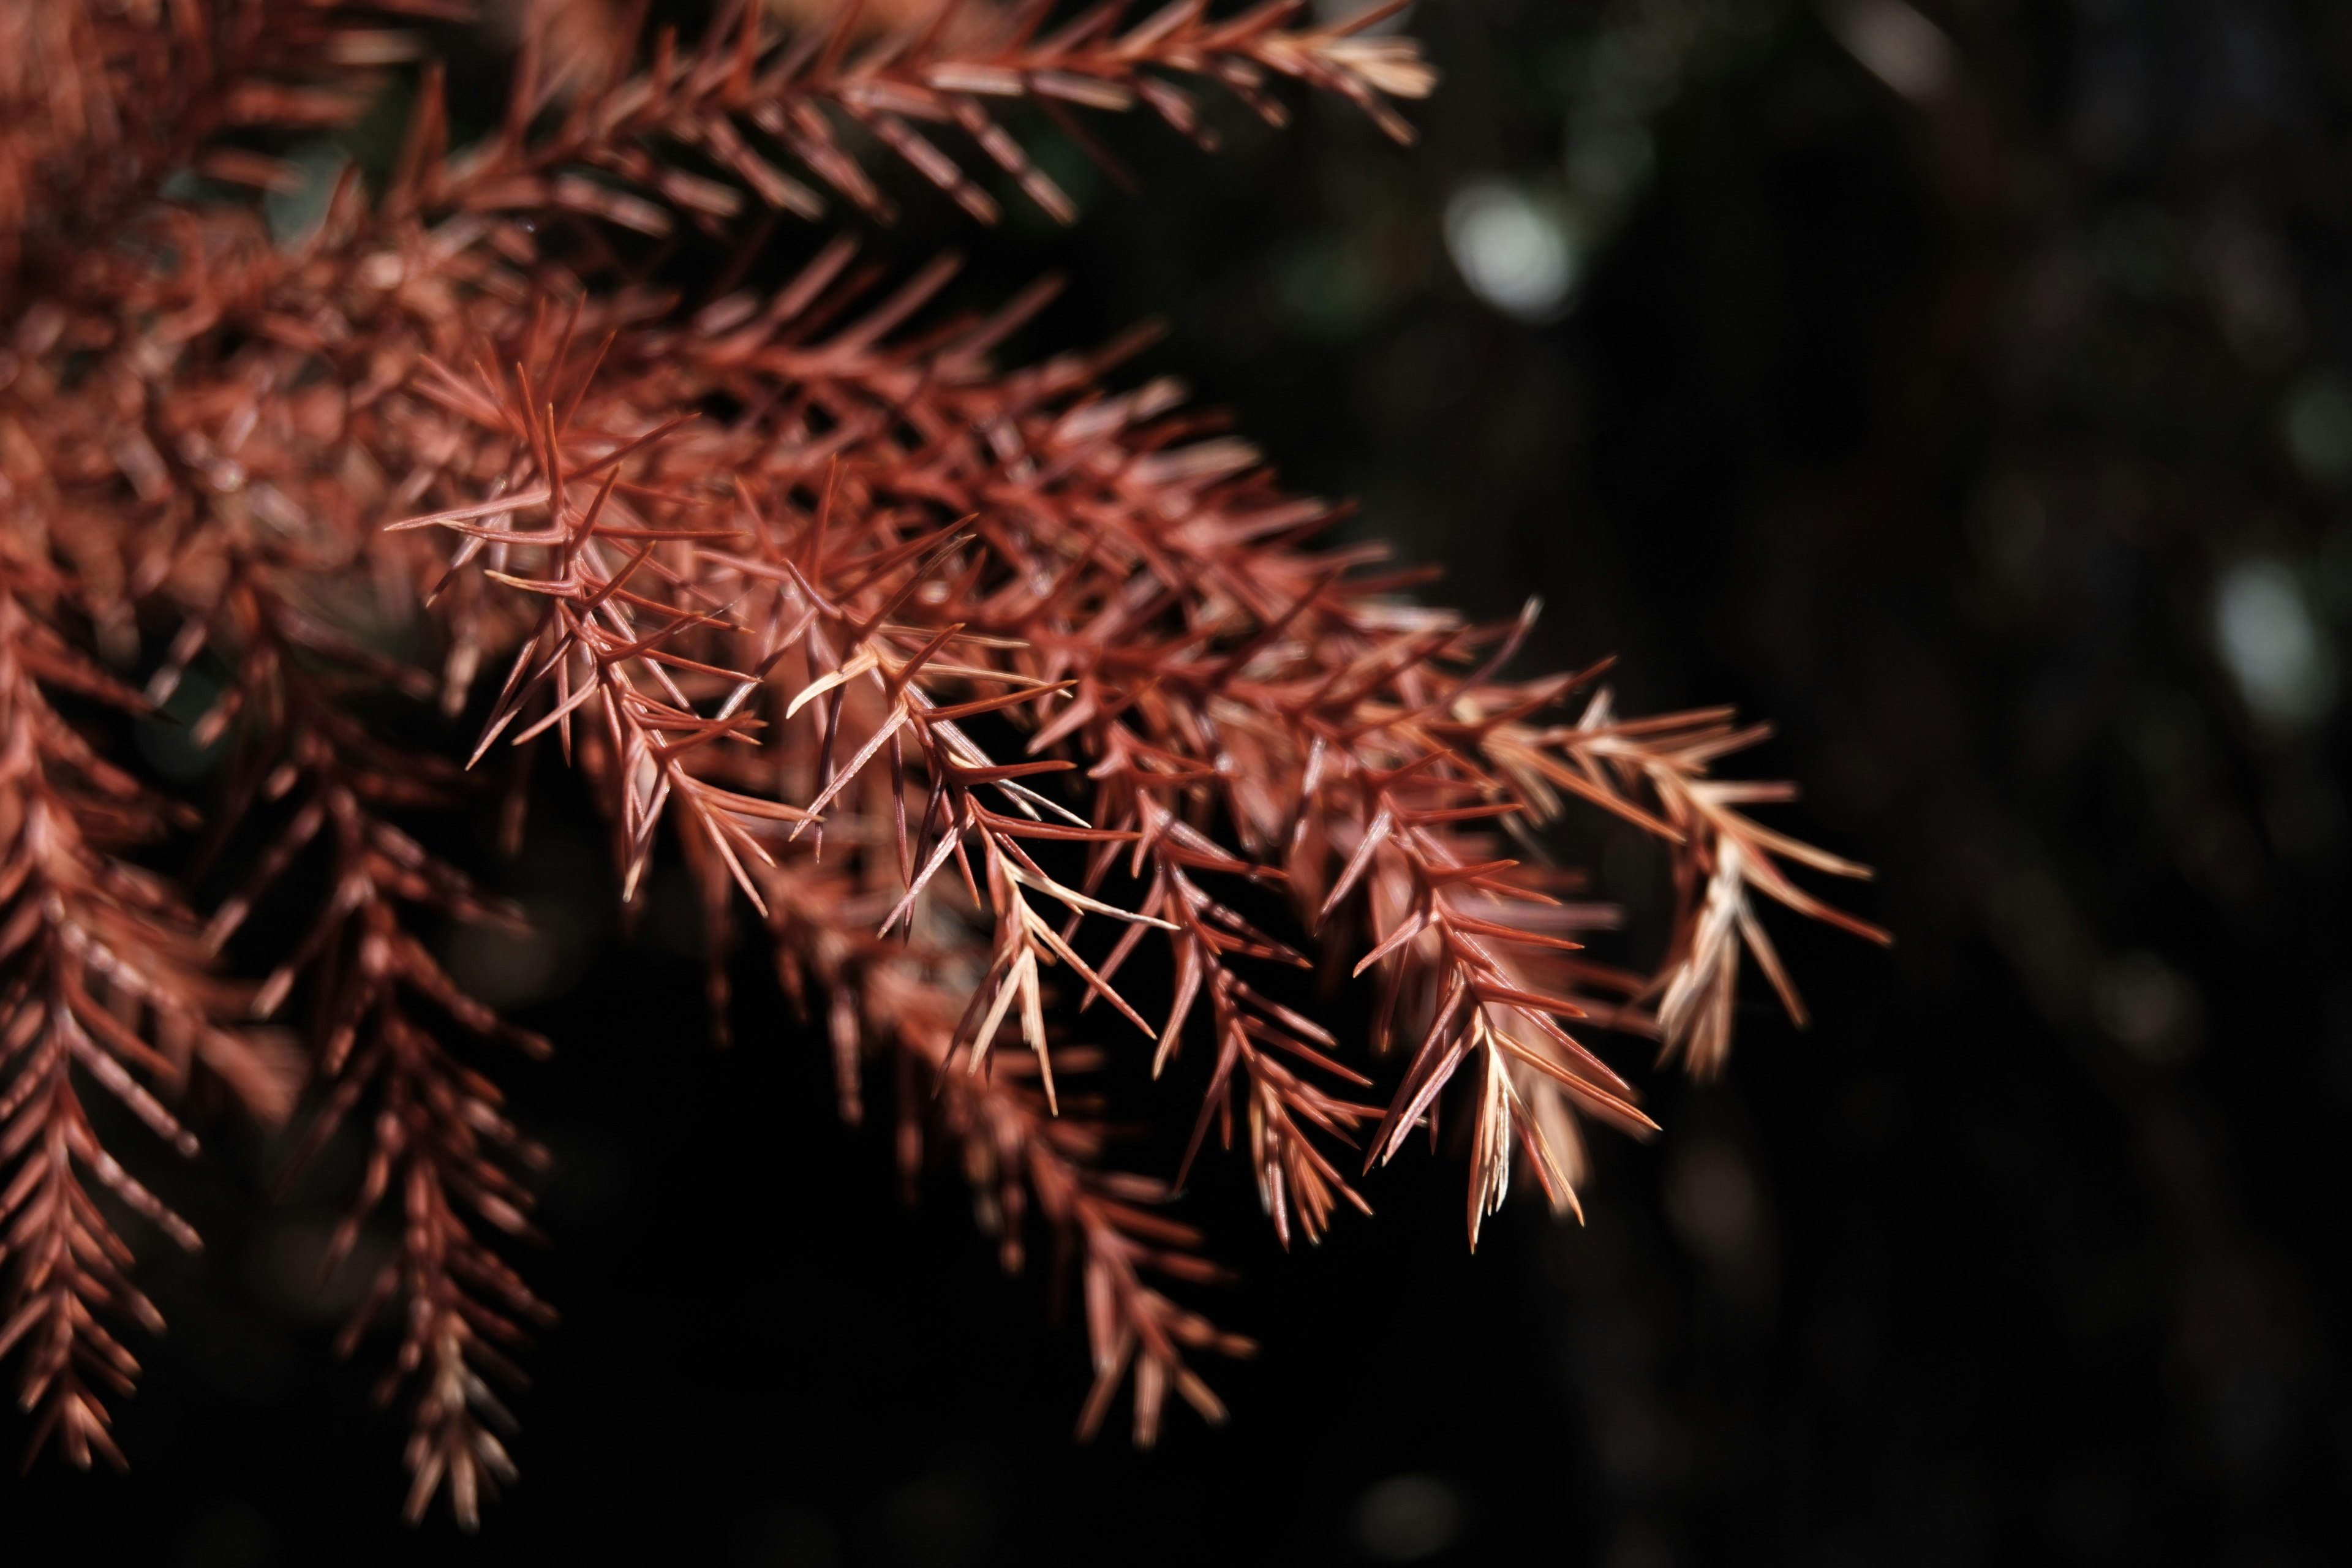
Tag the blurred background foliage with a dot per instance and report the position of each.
(1963, 385)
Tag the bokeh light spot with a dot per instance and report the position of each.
(1514, 253)
(2272, 644)
(1409, 1517)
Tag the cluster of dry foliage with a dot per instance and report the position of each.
(768, 567)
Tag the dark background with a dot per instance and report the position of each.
(1970, 403)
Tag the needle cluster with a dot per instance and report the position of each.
(967, 683)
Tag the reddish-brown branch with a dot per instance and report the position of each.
(800, 573)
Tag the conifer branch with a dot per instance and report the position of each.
(971, 681)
